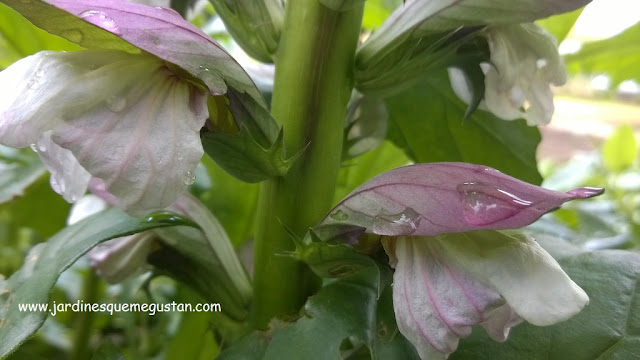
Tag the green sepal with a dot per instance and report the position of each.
(328, 255)
(256, 152)
(244, 158)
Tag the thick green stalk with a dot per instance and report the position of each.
(313, 83)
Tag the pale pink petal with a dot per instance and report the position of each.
(145, 146)
(68, 177)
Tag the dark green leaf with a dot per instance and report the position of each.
(45, 262)
(427, 123)
(345, 309)
(244, 158)
(256, 153)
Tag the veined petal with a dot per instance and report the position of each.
(68, 177)
(437, 303)
(444, 285)
(41, 91)
(518, 268)
(526, 61)
(145, 144)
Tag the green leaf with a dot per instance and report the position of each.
(560, 25)
(608, 328)
(620, 150)
(345, 309)
(427, 123)
(244, 158)
(256, 153)
(45, 262)
(19, 38)
(68, 26)
(618, 56)
(18, 170)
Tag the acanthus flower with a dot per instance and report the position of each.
(524, 63)
(120, 121)
(453, 269)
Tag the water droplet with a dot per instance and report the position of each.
(33, 147)
(404, 223)
(42, 147)
(485, 204)
(73, 35)
(167, 217)
(100, 19)
(339, 216)
(202, 68)
(116, 103)
(189, 178)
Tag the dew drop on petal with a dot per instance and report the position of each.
(100, 19)
(34, 148)
(189, 178)
(485, 204)
(403, 223)
(116, 103)
(339, 216)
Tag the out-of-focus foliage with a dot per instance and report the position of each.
(612, 220)
(618, 57)
(560, 25)
(45, 262)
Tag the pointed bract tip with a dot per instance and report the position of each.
(586, 192)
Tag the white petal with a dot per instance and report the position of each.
(502, 101)
(460, 84)
(40, 91)
(87, 205)
(143, 143)
(118, 259)
(68, 177)
(437, 303)
(518, 268)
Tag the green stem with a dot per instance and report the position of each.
(84, 322)
(313, 84)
